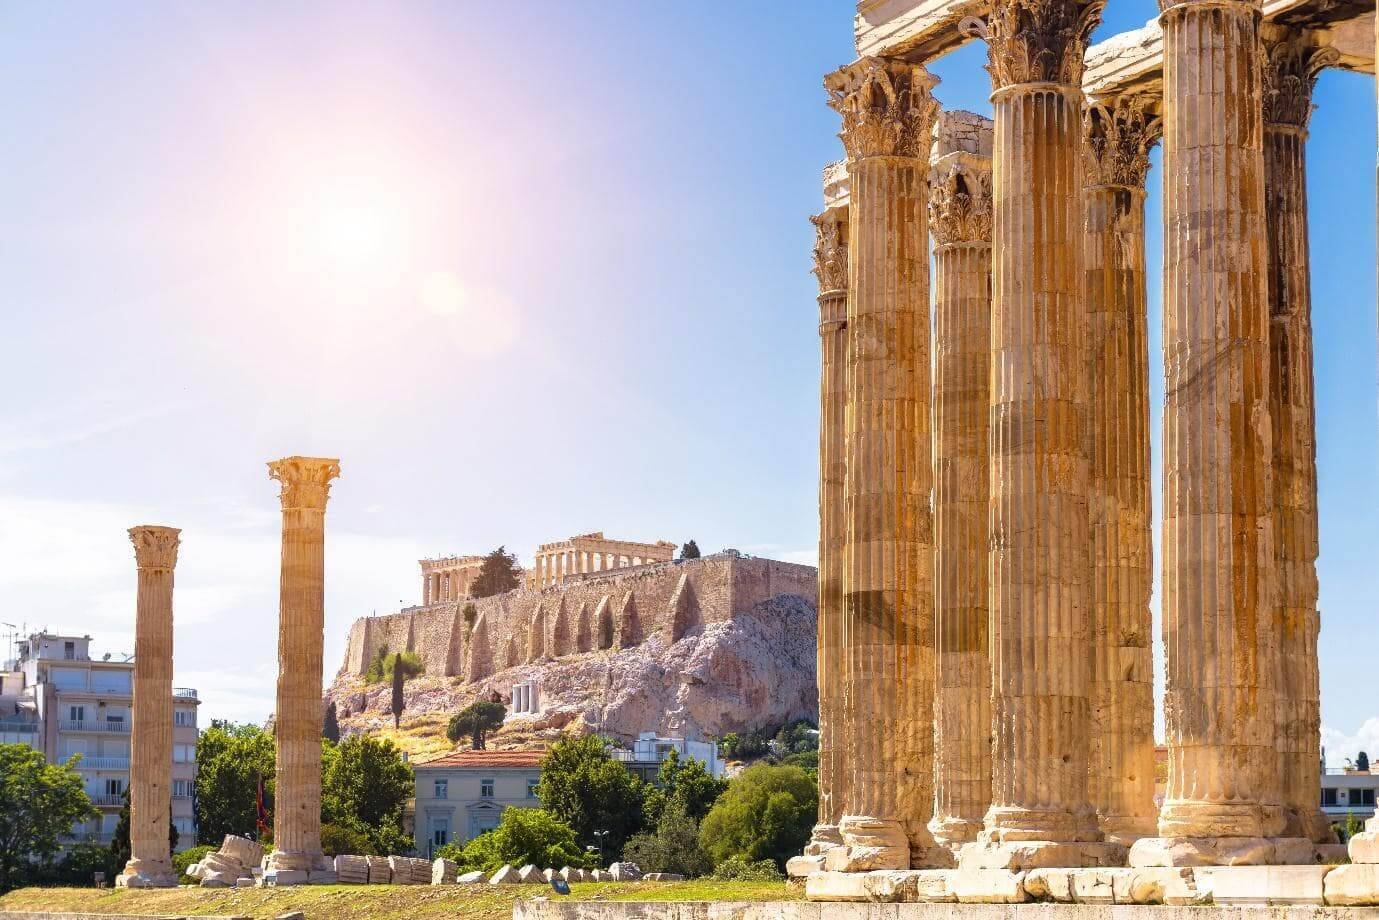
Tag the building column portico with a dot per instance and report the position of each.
(1040, 813)
(960, 219)
(1119, 136)
(297, 812)
(150, 765)
(888, 115)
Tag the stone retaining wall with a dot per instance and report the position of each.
(802, 910)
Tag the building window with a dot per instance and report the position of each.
(183, 753)
(531, 787)
(184, 718)
(1362, 797)
(441, 837)
(69, 651)
(76, 713)
(1328, 796)
(442, 790)
(114, 787)
(181, 789)
(485, 788)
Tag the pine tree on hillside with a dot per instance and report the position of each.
(499, 573)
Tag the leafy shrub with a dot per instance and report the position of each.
(181, 862)
(523, 836)
(767, 813)
(740, 869)
(672, 847)
(345, 840)
(381, 668)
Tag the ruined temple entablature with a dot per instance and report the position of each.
(448, 578)
(592, 552)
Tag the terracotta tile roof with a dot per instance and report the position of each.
(487, 759)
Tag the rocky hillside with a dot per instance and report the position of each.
(750, 672)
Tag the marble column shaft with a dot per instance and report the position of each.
(297, 802)
(831, 267)
(150, 767)
(960, 220)
(888, 115)
(1218, 605)
(1040, 613)
(1290, 71)
(1119, 135)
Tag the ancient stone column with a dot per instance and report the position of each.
(150, 765)
(1119, 135)
(831, 268)
(1218, 604)
(1291, 66)
(1040, 612)
(960, 219)
(297, 807)
(887, 738)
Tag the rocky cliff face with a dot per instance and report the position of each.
(752, 670)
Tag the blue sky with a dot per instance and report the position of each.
(528, 271)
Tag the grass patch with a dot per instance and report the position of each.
(374, 902)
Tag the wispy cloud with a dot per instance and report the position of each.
(1340, 745)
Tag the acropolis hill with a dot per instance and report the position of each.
(696, 648)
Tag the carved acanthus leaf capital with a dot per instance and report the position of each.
(1037, 41)
(830, 251)
(960, 202)
(305, 481)
(155, 547)
(887, 106)
(1118, 135)
(1291, 64)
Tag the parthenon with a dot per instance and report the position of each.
(592, 552)
(985, 537)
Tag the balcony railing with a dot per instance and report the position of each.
(94, 725)
(19, 726)
(103, 763)
(108, 801)
(183, 693)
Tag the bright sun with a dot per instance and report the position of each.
(361, 231)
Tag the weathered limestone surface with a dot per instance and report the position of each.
(831, 268)
(1119, 135)
(1040, 547)
(1218, 502)
(888, 115)
(1291, 65)
(960, 220)
(301, 622)
(150, 773)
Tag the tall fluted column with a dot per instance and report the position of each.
(1119, 135)
(888, 116)
(150, 766)
(301, 622)
(831, 268)
(1040, 615)
(1218, 604)
(1291, 66)
(960, 219)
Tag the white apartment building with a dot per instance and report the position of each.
(56, 699)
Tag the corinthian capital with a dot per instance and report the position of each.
(887, 106)
(960, 200)
(1292, 62)
(305, 481)
(1118, 136)
(830, 251)
(1037, 41)
(154, 547)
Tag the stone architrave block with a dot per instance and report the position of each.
(470, 878)
(988, 886)
(1263, 885)
(1356, 885)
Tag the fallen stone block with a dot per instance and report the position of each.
(600, 876)
(281, 878)
(1162, 885)
(663, 877)
(1356, 885)
(470, 878)
(529, 874)
(1050, 885)
(242, 850)
(246, 881)
(988, 886)
(1364, 846)
(549, 874)
(1332, 854)
(322, 877)
(801, 866)
(625, 871)
(380, 873)
(505, 876)
(1294, 851)
(444, 872)
(1263, 885)
(352, 870)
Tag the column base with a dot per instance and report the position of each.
(141, 874)
(823, 838)
(1179, 852)
(282, 861)
(869, 844)
(1022, 855)
(953, 832)
(1316, 827)
(1126, 829)
(1211, 820)
(1006, 824)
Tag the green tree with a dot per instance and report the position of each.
(672, 847)
(767, 813)
(119, 843)
(380, 670)
(582, 785)
(689, 551)
(345, 840)
(523, 836)
(1362, 761)
(686, 783)
(230, 761)
(330, 724)
(39, 802)
(475, 722)
(499, 573)
(365, 785)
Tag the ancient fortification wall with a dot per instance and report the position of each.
(616, 609)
